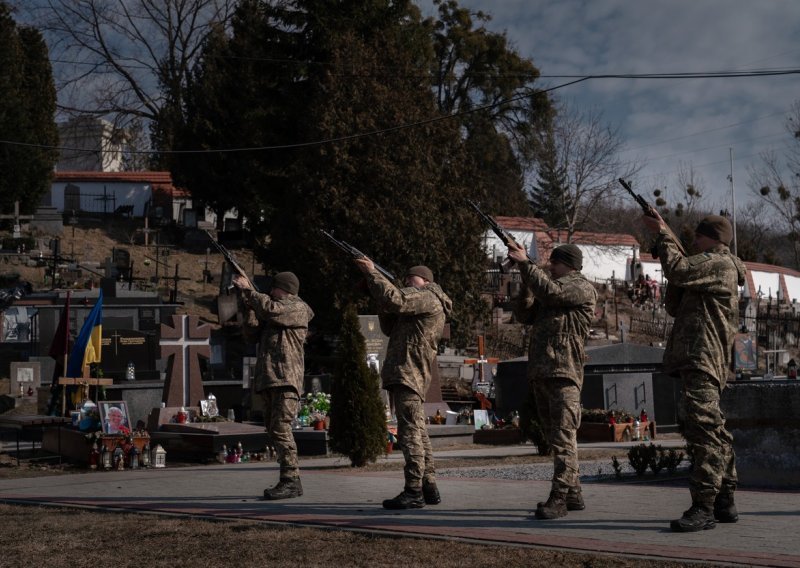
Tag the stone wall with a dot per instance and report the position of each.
(764, 418)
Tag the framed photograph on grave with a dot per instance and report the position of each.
(208, 407)
(114, 417)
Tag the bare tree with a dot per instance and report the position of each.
(775, 179)
(124, 60)
(587, 150)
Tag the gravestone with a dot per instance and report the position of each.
(25, 376)
(182, 343)
(123, 346)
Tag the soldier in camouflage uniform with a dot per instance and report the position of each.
(560, 307)
(413, 317)
(279, 322)
(705, 305)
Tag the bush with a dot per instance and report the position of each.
(639, 458)
(358, 418)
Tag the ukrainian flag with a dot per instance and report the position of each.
(87, 348)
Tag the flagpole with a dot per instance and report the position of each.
(66, 358)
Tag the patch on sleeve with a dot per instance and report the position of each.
(698, 259)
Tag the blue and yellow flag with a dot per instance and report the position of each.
(87, 348)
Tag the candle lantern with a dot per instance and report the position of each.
(119, 458)
(105, 458)
(134, 458)
(158, 456)
(146, 455)
(792, 369)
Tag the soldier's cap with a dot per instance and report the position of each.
(422, 271)
(716, 227)
(569, 255)
(286, 281)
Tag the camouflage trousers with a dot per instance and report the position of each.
(413, 437)
(280, 409)
(706, 437)
(558, 404)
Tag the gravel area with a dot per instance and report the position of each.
(590, 471)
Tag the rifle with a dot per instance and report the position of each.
(226, 254)
(355, 253)
(501, 233)
(650, 211)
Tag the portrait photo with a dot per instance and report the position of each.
(114, 417)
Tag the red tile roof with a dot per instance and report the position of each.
(147, 177)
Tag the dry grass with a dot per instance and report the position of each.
(71, 538)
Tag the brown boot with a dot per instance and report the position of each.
(555, 507)
(698, 517)
(431, 493)
(574, 500)
(724, 508)
(285, 489)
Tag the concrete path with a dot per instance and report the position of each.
(620, 518)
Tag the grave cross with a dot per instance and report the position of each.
(16, 216)
(183, 342)
(479, 363)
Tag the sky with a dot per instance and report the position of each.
(668, 124)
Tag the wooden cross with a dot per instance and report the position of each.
(479, 364)
(85, 382)
(16, 216)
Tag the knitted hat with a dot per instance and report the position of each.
(422, 271)
(286, 281)
(569, 255)
(717, 228)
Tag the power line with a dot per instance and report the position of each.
(577, 79)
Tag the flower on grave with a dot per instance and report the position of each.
(318, 403)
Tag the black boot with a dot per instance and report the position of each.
(285, 489)
(431, 493)
(408, 499)
(724, 508)
(555, 507)
(698, 517)
(574, 500)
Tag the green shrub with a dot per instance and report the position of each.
(639, 458)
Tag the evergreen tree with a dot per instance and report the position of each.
(358, 418)
(549, 198)
(27, 111)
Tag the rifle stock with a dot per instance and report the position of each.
(501, 233)
(650, 211)
(226, 254)
(355, 253)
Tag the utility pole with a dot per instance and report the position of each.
(733, 201)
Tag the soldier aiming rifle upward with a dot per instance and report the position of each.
(355, 253)
(650, 211)
(501, 233)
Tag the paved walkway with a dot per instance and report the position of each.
(620, 518)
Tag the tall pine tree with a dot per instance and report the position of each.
(27, 115)
(549, 197)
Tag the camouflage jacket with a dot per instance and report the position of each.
(707, 313)
(280, 327)
(560, 312)
(413, 319)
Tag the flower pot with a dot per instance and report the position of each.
(319, 425)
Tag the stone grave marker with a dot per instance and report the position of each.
(25, 376)
(182, 343)
(123, 346)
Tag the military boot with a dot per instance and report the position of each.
(698, 517)
(408, 499)
(431, 493)
(555, 507)
(574, 501)
(724, 508)
(285, 489)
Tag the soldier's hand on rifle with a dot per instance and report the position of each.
(653, 222)
(241, 282)
(364, 264)
(517, 252)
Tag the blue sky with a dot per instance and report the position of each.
(666, 123)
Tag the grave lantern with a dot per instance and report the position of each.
(146, 455)
(792, 369)
(105, 457)
(119, 458)
(134, 458)
(158, 456)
